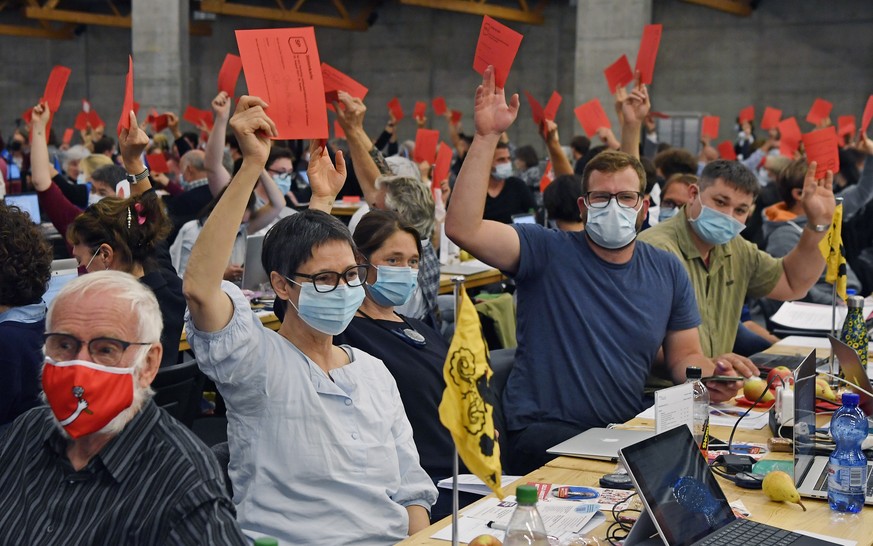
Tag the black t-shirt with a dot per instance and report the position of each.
(186, 206)
(167, 287)
(419, 376)
(514, 198)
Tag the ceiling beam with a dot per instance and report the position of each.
(78, 17)
(64, 33)
(293, 15)
(743, 8)
(521, 15)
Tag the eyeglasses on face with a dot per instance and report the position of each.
(601, 199)
(327, 281)
(106, 351)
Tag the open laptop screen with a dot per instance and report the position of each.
(804, 418)
(677, 486)
(27, 202)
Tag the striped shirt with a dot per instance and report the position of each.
(154, 483)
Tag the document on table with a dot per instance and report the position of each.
(470, 483)
(673, 407)
(465, 268)
(814, 316)
(725, 415)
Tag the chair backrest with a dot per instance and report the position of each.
(502, 361)
(178, 390)
(222, 454)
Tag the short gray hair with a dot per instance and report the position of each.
(74, 153)
(195, 158)
(116, 284)
(411, 199)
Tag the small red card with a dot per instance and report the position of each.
(789, 137)
(420, 109)
(157, 163)
(648, 51)
(442, 165)
(54, 87)
(426, 145)
(439, 106)
(497, 46)
(771, 118)
(726, 150)
(820, 110)
(846, 125)
(551, 109)
(618, 74)
(823, 147)
(229, 73)
(548, 177)
(868, 114)
(68, 137)
(747, 114)
(396, 109)
(536, 109)
(709, 126)
(456, 116)
(124, 118)
(592, 117)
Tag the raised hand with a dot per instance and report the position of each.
(863, 144)
(173, 125)
(132, 142)
(818, 197)
(491, 114)
(549, 131)
(253, 129)
(636, 106)
(325, 180)
(221, 104)
(352, 116)
(40, 117)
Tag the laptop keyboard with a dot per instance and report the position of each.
(822, 483)
(743, 532)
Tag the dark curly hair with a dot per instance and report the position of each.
(132, 227)
(25, 258)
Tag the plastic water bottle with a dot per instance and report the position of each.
(854, 332)
(526, 526)
(701, 407)
(847, 467)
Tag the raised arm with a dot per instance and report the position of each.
(216, 174)
(364, 154)
(634, 110)
(492, 242)
(560, 163)
(210, 309)
(40, 166)
(325, 180)
(266, 214)
(131, 144)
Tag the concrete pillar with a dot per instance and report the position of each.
(159, 37)
(606, 29)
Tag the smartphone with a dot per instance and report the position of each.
(722, 378)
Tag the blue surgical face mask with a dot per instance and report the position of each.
(329, 312)
(613, 226)
(94, 198)
(502, 171)
(283, 181)
(394, 285)
(714, 227)
(81, 179)
(665, 213)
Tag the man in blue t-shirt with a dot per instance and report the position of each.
(594, 307)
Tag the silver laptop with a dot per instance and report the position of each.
(27, 202)
(854, 372)
(811, 470)
(599, 443)
(683, 502)
(253, 272)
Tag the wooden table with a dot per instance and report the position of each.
(470, 281)
(343, 208)
(818, 518)
(271, 321)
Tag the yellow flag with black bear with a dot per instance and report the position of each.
(834, 253)
(467, 408)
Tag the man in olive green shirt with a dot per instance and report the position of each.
(724, 268)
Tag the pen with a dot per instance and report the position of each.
(496, 525)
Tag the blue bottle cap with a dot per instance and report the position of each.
(851, 399)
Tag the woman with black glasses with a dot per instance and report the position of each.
(321, 451)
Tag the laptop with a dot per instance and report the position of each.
(811, 470)
(253, 272)
(526, 218)
(599, 443)
(27, 202)
(684, 503)
(854, 372)
(57, 281)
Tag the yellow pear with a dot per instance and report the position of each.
(823, 390)
(779, 486)
(753, 387)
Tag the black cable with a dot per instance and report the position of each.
(612, 532)
(754, 404)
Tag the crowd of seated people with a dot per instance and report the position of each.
(333, 429)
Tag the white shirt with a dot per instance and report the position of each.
(313, 459)
(180, 250)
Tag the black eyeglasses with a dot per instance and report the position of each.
(104, 350)
(601, 199)
(327, 281)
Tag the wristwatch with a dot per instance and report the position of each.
(134, 178)
(818, 228)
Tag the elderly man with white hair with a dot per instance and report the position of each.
(102, 464)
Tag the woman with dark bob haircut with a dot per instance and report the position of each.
(321, 450)
(25, 269)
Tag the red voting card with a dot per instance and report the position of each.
(618, 74)
(789, 137)
(868, 115)
(351, 199)
(229, 74)
(95, 120)
(536, 109)
(338, 131)
(135, 108)
(726, 150)
(823, 148)
(68, 137)
(551, 109)
(157, 163)
(124, 119)
(592, 117)
(54, 87)
(439, 106)
(426, 145)
(396, 109)
(420, 109)
(331, 97)
(846, 126)
(497, 46)
(334, 80)
(456, 116)
(81, 121)
(199, 118)
(649, 44)
(442, 164)
(771, 118)
(747, 114)
(160, 122)
(548, 177)
(709, 127)
(659, 115)
(820, 110)
(280, 67)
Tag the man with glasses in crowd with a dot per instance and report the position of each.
(594, 307)
(102, 464)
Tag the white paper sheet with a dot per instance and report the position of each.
(470, 483)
